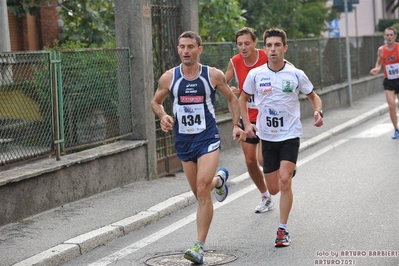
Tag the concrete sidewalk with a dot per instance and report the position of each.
(61, 234)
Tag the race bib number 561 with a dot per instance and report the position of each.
(274, 121)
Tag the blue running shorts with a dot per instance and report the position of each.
(191, 151)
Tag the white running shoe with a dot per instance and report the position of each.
(222, 192)
(264, 205)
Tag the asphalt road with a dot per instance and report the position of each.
(342, 176)
(346, 212)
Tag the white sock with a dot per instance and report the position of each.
(201, 244)
(266, 194)
(284, 226)
(221, 182)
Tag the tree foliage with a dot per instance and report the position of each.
(91, 22)
(219, 19)
(298, 18)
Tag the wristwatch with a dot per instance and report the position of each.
(321, 113)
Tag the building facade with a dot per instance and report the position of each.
(364, 17)
(31, 33)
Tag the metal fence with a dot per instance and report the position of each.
(60, 101)
(25, 106)
(323, 60)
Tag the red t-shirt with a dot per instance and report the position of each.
(241, 71)
(390, 60)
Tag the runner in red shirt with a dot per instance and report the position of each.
(388, 57)
(248, 58)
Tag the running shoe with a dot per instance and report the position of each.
(264, 205)
(195, 254)
(283, 238)
(396, 134)
(222, 191)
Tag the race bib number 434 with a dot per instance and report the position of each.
(191, 118)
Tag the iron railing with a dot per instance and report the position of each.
(166, 27)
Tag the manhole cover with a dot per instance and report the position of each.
(177, 259)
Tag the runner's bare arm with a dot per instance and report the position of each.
(378, 63)
(166, 121)
(229, 77)
(219, 82)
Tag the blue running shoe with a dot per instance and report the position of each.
(396, 134)
(222, 191)
(195, 254)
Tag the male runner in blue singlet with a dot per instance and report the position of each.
(192, 88)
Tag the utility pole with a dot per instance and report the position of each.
(348, 58)
(5, 45)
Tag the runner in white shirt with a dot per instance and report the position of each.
(275, 87)
(279, 110)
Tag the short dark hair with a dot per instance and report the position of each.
(244, 31)
(275, 33)
(191, 35)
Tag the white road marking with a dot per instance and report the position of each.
(166, 231)
(320, 152)
(191, 218)
(375, 131)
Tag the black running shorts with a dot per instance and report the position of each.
(275, 152)
(391, 85)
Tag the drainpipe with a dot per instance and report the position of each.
(374, 17)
